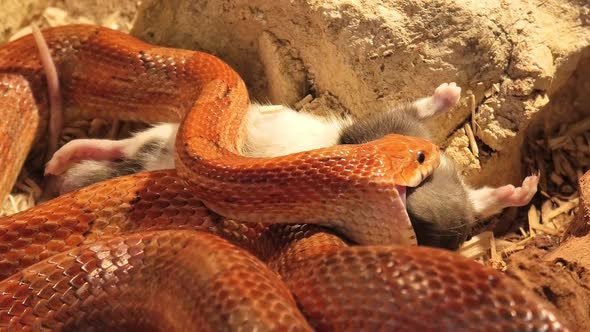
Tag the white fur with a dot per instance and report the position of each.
(271, 131)
(166, 132)
(279, 130)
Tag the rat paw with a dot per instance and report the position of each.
(488, 201)
(517, 196)
(60, 160)
(447, 96)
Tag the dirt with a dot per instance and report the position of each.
(560, 272)
(561, 281)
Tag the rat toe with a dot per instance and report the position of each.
(447, 94)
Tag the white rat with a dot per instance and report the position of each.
(442, 209)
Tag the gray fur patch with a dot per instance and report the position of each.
(374, 127)
(440, 210)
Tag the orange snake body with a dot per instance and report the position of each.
(130, 253)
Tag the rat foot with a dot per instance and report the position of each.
(84, 149)
(489, 201)
(110, 150)
(445, 97)
(512, 196)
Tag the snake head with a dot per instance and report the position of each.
(404, 161)
(411, 159)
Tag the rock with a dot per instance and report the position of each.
(15, 14)
(283, 69)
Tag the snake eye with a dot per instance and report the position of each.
(421, 157)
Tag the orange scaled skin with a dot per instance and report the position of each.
(129, 253)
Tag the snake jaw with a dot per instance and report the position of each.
(416, 177)
(402, 194)
(411, 159)
(420, 175)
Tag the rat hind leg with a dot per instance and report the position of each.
(445, 97)
(489, 201)
(85, 149)
(73, 165)
(82, 162)
(110, 150)
(84, 174)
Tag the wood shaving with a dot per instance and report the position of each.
(473, 107)
(270, 109)
(478, 246)
(472, 142)
(306, 100)
(534, 219)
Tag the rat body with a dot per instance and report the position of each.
(442, 209)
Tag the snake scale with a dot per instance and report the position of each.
(161, 250)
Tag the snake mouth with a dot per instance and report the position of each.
(418, 176)
(402, 194)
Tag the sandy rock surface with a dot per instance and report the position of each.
(15, 14)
